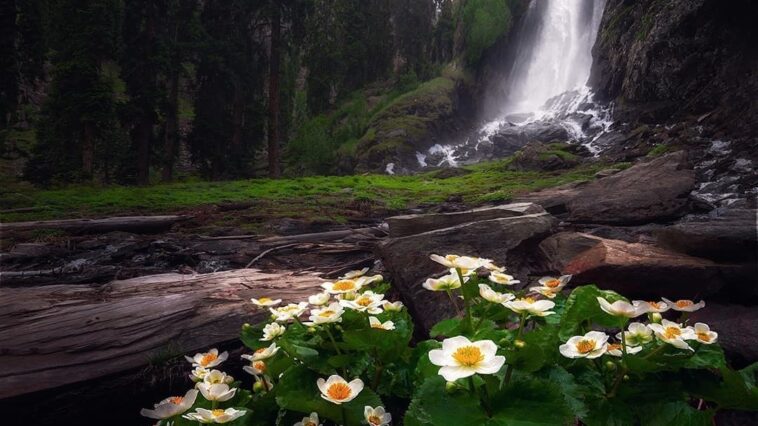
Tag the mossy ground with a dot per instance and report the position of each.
(328, 198)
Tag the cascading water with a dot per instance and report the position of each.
(544, 95)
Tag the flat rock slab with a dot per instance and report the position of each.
(633, 269)
(407, 258)
(401, 226)
(737, 326)
(60, 334)
(136, 224)
(725, 234)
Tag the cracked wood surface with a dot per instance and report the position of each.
(60, 334)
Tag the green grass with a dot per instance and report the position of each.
(326, 197)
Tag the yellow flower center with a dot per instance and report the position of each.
(656, 305)
(264, 300)
(614, 347)
(553, 283)
(377, 325)
(344, 285)
(176, 400)
(683, 303)
(529, 300)
(703, 336)
(326, 313)
(468, 356)
(218, 412)
(260, 366)
(672, 332)
(339, 391)
(207, 359)
(374, 420)
(309, 423)
(259, 350)
(585, 346)
(363, 301)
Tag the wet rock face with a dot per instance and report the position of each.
(658, 58)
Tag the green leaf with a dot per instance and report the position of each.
(730, 390)
(446, 328)
(582, 308)
(609, 412)
(297, 391)
(573, 392)
(677, 413)
(424, 367)
(433, 405)
(706, 356)
(531, 401)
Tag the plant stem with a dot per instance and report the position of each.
(334, 342)
(344, 415)
(452, 300)
(623, 345)
(617, 383)
(466, 303)
(655, 351)
(378, 372)
(214, 405)
(509, 370)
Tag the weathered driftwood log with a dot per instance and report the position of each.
(56, 335)
(401, 226)
(136, 224)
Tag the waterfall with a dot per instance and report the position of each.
(558, 58)
(544, 95)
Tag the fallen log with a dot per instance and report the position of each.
(135, 224)
(61, 334)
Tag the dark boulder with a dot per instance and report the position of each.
(647, 192)
(737, 326)
(541, 157)
(407, 258)
(633, 269)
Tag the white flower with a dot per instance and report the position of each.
(375, 323)
(392, 306)
(614, 349)
(266, 302)
(215, 416)
(216, 377)
(493, 296)
(647, 306)
(703, 333)
(637, 334)
(673, 334)
(366, 302)
(367, 280)
(256, 368)
(216, 392)
(376, 416)
(286, 313)
(460, 357)
(208, 359)
(198, 374)
(171, 407)
(684, 305)
(550, 286)
(501, 278)
(464, 263)
(337, 390)
(342, 286)
(272, 331)
(591, 345)
(319, 299)
(311, 420)
(329, 314)
(619, 308)
(354, 274)
(444, 283)
(262, 353)
(487, 263)
(539, 308)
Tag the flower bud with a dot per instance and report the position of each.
(626, 377)
(519, 343)
(503, 341)
(246, 326)
(610, 366)
(450, 387)
(655, 317)
(311, 330)
(258, 387)
(339, 327)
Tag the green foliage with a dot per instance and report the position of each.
(484, 21)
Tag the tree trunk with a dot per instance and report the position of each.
(142, 137)
(273, 92)
(172, 124)
(88, 149)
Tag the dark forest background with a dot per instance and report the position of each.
(134, 92)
